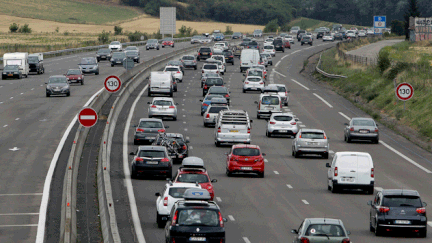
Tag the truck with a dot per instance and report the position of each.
(19, 59)
(36, 63)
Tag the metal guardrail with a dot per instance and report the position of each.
(328, 75)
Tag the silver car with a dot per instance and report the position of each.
(269, 58)
(57, 85)
(162, 107)
(311, 141)
(317, 230)
(253, 84)
(282, 92)
(264, 59)
(282, 124)
(211, 114)
(361, 128)
(152, 44)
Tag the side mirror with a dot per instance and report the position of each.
(348, 232)
(134, 125)
(328, 165)
(201, 100)
(187, 141)
(256, 102)
(226, 153)
(166, 218)
(424, 204)
(369, 203)
(346, 124)
(244, 74)
(288, 91)
(224, 219)
(176, 103)
(294, 231)
(264, 154)
(328, 138)
(214, 181)
(296, 119)
(149, 102)
(46, 83)
(166, 126)
(251, 121)
(132, 153)
(157, 194)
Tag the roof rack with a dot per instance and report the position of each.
(197, 194)
(192, 162)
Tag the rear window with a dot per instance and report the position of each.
(151, 154)
(281, 89)
(177, 192)
(162, 102)
(363, 123)
(74, 72)
(150, 124)
(205, 50)
(214, 81)
(193, 178)
(172, 69)
(270, 100)
(216, 109)
(211, 67)
(219, 90)
(312, 135)
(253, 79)
(325, 230)
(219, 58)
(188, 58)
(198, 217)
(283, 118)
(88, 61)
(402, 201)
(268, 47)
(306, 37)
(209, 97)
(253, 43)
(246, 152)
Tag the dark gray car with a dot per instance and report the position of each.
(306, 40)
(57, 85)
(147, 130)
(321, 230)
(133, 55)
(11, 71)
(89, 65)
(218, 90)
(151, 160)
(118, 58)
(152, 44)
(361, 129)
(103, 54)
(189, 61)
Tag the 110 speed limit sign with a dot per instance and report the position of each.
(112, 84)
(404, 91)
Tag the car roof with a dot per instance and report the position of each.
(282, 114)
(324, 221)
(401, 192)
(150, 119)
(193, 161)
(361, 118)
(55, 76)
(151, 147)
(163, 98)
(311, 130)
(245, 146)
(277, 85)
(351, 153)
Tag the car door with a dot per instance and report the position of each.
(331, 169)
(374, 208)
(297, 237)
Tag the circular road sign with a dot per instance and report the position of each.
(112, 84)
(404, 91)
(87, 117)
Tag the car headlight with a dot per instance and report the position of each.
(112, 59)
(4, 73)
(79, 78)
(15, 72)
(65, 88)
(97, 55)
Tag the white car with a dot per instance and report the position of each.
(162, 107)
(175, 71)
(370, 32)
(115, 46)
(269, 49)
(173, 192)
(253, 84)
(210, 115)
(268, 42)
(328, 37)
(220, 45)
(290, 38)
(264, 58)
(262, 68)
(282, 92)
(282, 124)
(210, 68)
(269, 58)
(362, 33)
(222, 59)
(351, 33)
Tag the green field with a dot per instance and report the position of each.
(68, 11)
(312, 24)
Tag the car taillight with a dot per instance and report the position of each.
(217, 71)
(211, 53)
(208, 115)
(219, 129)
(227, 95)
(286, 93)
(184, 147)
(346, 240)
(164, 160)
(376, 129)
(140, 130)
(293, 123)
(272, 123)
(336, 171)
(246, 82)
(221, 220)
(161, 130)
(153, 106)
(174, 219)
(205, 86)
(231, 56)
(304, 240)
(248, 130)
(421, 210)
(205, 104)
(199, 54)
(274, 50)
(202, 71)
(372, 172)
(281, 105)
(178, 71)
(209, 187)
(352, 129)
(165, 201)
(138, 159)
(172, 107)
(383, 209)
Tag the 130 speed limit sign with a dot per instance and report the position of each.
(112, 84)
(404, 91)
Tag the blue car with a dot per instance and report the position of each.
(219, 37)
(206, 102)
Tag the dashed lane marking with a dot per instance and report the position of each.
(279, 73)
(218, 199)
(297, 82)
(277, 173)
(347, 117)
(289, 186)
(19, 225)
(323, 100)
(231, 217)
(16, 119)
(430, 223)
(246, 240)
(21, 194)
(302, 125)
(265, 160)
(17, 214)
(378, 189)
(5, 125)
(305, 202)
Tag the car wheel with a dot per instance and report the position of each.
(268, 134)
(148, 93)
(82, 82)
(157, 48)
(348, 139)
(198, 59)
(325, 155)
(205, 124)
(375, 141)
(159, 221)
(233, 63)
(378, 231)
(261, 175)
(328, 186)
(423, 233)
(244, 91)
(133, 174)
(203, 94)
(371, 228)
(258, 116)
(301, 43)
(218, 144)
(112, 65)
(334, 188)
(195, 67)
(292, 151)
(370, 190)
(48, 95)
(169, 174)
(135, 142)
(163, 46)
(296, 154)
(171, 94)
(173, 46)
(68, 94)
(228, 173)
(175, 118)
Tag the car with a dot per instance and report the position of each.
(196, 39)
(338, 36)
(229, 56)
(194, 213)
(355, 30)
(220, 90)
(270, 89)
(75, 76)
(282, 124)
(361, 128)
(362, 33)
(57, 85)
(294, 29)
(11, 71)
(264, 59)
(287, 44)
(151, 160)
(255, 72)
(206, 75)
(245, 158)
(210, 68)
(218, 52)
(279, 45)
(290, 38)
(162, 107)
(131, 48)
(152, 44)
(172, 193)
(210, 115)
(118, 58)
(310, 141)
(115, 46)
(268, 104)
(351, 34)
(283, 35)
(270, 49)
(257, 33)
(103, 54)
(328, 37)
(281, 91)
(260, 67)
(343, 34)
(177, 63)
(252, 45)
(193, 171)
(210, 82)
(134, 55)
(245, 43)
(219, 37)
(204, 53)
(300, 33)
(320, 33)
(177, 152)
(220, 45)
(232, 126)
(220, 59)
(147, 130)
(176, 72)
(398, 210)
(205, 103)
(268, 41)
(269, 58)
(169, 41)
(321, 230)
(306, 40)
(370, 31)
(237, 50)
(237, 35)
(189, 61)
(89, 65)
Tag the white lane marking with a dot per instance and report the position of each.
(405, 157)
(183, 109)
(128, 182)
(191, 147)
(17, 214)
(184, 115)
(5, 125)
(47, 185)
(87, 117)
(430, 223)
(231, 217)
(184, 122)
(32, 89)
(1, 102)
(302, 125)
(218, 199)
(378, 189)
(21, 93)
(300, 84)
(305, 202)
(347, 117)
(19, 225)
(16, 119)
(21, 194)
(323, 100)
(331, 152)
(299, 122)
(11, 98)
(279, 73)
(185, 129)
(277, 64)
(246, 240)
(289, 186)
(265, 160)
(277, 173)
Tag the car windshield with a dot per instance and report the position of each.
(33, 59)
(56, 80)
(152, 41)
(88, 61)
(205, 50)
(211, 67)
(214, 81)
(103, 51)
(211, 75)
(209, 97)
(402, 201)
(74, 72)
(324, 230)
(246, 152)
(174, 63)
(253, 79)
(162, 102)
(119, 55)
(218, 58)
(10, 68)
(171, 69)
(369, 123)
(255, 73)
(270, 100)
(283, 118)
(177, 192)
(268, 47)
(219, 90)
(216, 109)
(253, 43)
(237, 33)
(151, 153)
(115, 43)
(150, 124)
(188, 58)
(198, 217)
(312, 135)
(281, 89)
(192, 178)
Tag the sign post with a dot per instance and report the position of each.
(87, 117)
(112, 84)
(379, 24)
(167, 20)
(404, 92)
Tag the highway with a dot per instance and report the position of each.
(265, 210)
(31, 126)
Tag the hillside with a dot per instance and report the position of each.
(312, 24)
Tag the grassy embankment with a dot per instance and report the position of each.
(373, 90)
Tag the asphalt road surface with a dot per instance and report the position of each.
(265, 210)
(31, 126)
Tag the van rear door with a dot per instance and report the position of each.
(364, 166)
(234, 131)
(347, 169)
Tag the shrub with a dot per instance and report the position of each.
(271, 26)
(228, 30)
(383, 61)
(396, 69)
(66, 33)
(57, 30)
(118, 30)
(25, 29)
(195, 32)
(386, 34)
(136, 36)
(103, 37)
(13, 27)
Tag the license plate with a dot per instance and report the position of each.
(163, 109)
(205, 53)
(246, 168)
(197, 239)
(10, 74)
(233, 130)
(312, 143)
(348, 179)
(402, 222)
(151, 138)
(283, 130)
(118, 62)
(254, 88)
(103, 56)
(152, 162)
(363, 131)
(270, 108)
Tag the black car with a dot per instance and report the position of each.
(253, 45)
(320, 34)
(229, 56)
(147, 130)
(179, 150)
(210, 82)
(204, 53)
(300, 33)
(398, 210)
(118, 58)
(279, 45)
(189, 61)
(237, 35)
(103, 54)
(195, 219)
(306, 40)
(151, 160)
(338, 36)
(11, 71)
(133, 55)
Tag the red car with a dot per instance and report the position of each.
(287, 44)
(75, 76)
(168, 42)
(193, 175)
(245, 158)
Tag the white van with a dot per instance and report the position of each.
(17, 58)
(268, 104)
(351, 170)
(232, 126)
(249, 58)
(161, 83)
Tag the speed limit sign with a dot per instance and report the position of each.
(404, 91)
(112, 84)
